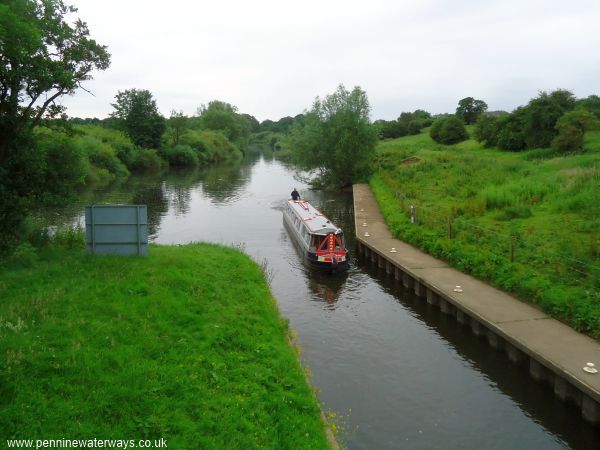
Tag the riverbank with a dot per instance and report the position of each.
(552, 352)
(186, 345)
(527, 222)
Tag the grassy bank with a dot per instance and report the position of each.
(185, 345)
(528, 222)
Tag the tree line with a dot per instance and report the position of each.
(45, 156)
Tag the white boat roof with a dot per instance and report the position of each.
(316, 222)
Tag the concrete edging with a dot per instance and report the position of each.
(554, 353)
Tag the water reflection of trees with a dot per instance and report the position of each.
(152, 195)
(178, 187)
(224, 183)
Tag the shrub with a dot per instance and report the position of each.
(448, 130)
(180, 156)
(65, 165)
(486, 130)
(25, 255)
(571, 129)
(511, 131)
(120, 143)
(147, 160)
(102, 155)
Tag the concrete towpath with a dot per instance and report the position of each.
(546, 341)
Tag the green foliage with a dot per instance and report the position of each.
(122, 146)
(136, 113)
(180, 156)
(283, 125)
(591, 104)
(223, 117)
(336, 137)
(215, 147)
(176, 127)
(407, 123)
(533, 125)
(65, 165)
(391, 129)
(511, 131)
(147, 160)
(571, 129)
(542, 113)
(548, 205)
(164, 354)
(448, 130)
(43, 56)
(469, 109)
(101, 155)
(486, 130)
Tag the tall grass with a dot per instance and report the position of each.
(186, 345)
(543, 210)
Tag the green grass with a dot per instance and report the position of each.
(547, 205)
(186, 345)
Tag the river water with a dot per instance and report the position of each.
(396, 373)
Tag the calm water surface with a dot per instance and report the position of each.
(398, 374)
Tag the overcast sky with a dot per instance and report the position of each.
(271, 58)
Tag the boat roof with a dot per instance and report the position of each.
(316, 222)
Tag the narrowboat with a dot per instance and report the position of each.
(321, 242)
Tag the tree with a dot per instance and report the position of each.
(42, 57)
(222, 116)
(591, 103)
(541, 115)
(136, 113)
(336, 137)
(511, 130)
(254, 125)
(448, 130)
(571, 128)
(486, 130)
(176, 126)
(469, 109)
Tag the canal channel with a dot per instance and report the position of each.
(395, 373)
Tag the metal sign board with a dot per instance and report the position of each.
(116, 229)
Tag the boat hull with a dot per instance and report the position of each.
(309, 257)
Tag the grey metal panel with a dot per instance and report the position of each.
(121, 249)
(119, 234)
(117, 229)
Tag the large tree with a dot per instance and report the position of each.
(336, 137)
(43, 56)
(136, 113)
(469, 109)
(222, 116)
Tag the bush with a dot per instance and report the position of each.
(25, 255)
(486, 130)
(511, 131)
(571, 129)
(147, 160)
(65, 165)
(542, 114)
(122, 146)
(570, 139)
(102, 155)
(180, 156)
(448, 130)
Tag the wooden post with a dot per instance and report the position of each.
(512, 249)
(413, 214)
